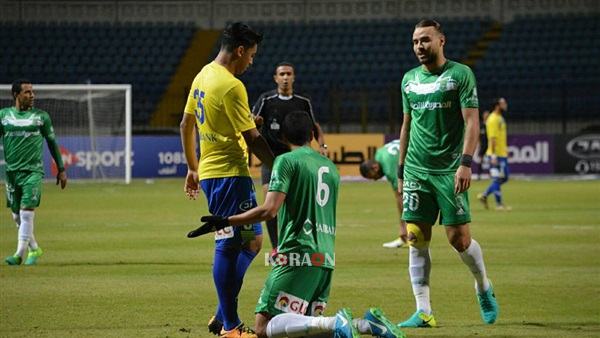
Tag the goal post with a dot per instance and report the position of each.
(93, 127)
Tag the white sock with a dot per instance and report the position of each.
(473, 258)
(33, 245)
(294, 325)
(17, 219)
(419, 267)
(362, 325)
(25, 232)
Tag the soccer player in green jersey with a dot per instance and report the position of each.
(303, 194)
(386, 164)
(22, 129)
(438, 137)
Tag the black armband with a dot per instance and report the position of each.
(466, 160)
(400, 171)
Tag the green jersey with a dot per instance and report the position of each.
(23, 133)
(387, 157)
(434, 102)
(306, 221)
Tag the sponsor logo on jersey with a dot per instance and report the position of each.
(441, 84)
(22, 133)
(307, 227)
(430, 105)
(317, 308)
(21, 122)
(291, 304)
(246, 205)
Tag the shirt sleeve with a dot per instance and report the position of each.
(236, 107)
(281, 175)
(310, 111)
(259, 105)
(467, 90)
(192, 102)
(48, 133)
(405, 103)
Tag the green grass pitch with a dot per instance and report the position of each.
(117, 264)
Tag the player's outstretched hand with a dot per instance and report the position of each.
(61, 179)
(211, 223)
(191, 187)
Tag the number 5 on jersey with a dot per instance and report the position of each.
(199, 95)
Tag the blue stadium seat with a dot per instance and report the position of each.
(100, 52)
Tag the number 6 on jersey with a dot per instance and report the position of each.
(322, 187)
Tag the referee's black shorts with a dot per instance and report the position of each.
(265, 174)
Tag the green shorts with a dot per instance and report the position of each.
(23, 190)
(427, 195)
(295, 289)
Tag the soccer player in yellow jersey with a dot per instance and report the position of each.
(497, 152)
(218, 108)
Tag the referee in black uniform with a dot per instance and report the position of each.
(269, 111)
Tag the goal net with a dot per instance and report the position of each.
(92, 125)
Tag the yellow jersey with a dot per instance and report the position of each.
(220, 103)
(495, 127)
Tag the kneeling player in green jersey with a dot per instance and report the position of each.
(303, 194)
(439, 134)
(386, 164)
(22, 129)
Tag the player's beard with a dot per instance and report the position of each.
(429, 57)
(26, 104)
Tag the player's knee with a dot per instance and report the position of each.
(261, 331)
(415, 236)
(460, 243)
(260, 325)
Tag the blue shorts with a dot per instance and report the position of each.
(231, 196)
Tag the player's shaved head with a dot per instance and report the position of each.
(297, 128)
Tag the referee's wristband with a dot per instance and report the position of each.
(466, 160)
(400, 171)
